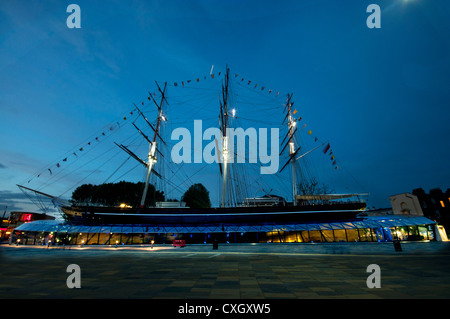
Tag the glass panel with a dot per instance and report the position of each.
(291, 237)
(365, 234)
(305, 235)
(413, 233)
(82, 238)
(379, 234)
(327, 236)
(431, 232)
(138, 230)
(315, 236)
(324, 226)
(352, 235)
(339, 235)
(103, 238)
(423, 232)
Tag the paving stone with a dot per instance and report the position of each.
(266, 271)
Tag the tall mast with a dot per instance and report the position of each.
(292, 151)
(153, 144)
(224, 126)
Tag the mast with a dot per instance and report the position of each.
(152, 145)
(292, 151)
(224, 126)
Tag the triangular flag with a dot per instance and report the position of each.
(309, 132)
(326, 148)
(295, 111)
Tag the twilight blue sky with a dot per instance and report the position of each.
(380, 96)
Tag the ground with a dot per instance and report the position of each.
(287, 271)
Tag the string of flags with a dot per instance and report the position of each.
(254, 85)
(95, 140)
(326, 150)
(240, 79)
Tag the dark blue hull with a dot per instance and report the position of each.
(238, 215)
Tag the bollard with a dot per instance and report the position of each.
(215, 244)
(397, 245)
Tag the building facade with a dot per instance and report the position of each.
(435, 205)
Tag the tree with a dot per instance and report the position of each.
(312, 187)
(114, 194)
(197, 196)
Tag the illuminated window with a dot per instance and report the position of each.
(442, 203)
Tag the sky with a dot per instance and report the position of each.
(379, 96)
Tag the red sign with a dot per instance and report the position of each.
(26, 217)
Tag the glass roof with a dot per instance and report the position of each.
(366, 222)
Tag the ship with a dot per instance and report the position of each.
(268, 209)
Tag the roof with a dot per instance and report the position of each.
(366, 222)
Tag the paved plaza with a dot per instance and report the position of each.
(240, 271)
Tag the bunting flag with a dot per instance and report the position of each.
(315, 140)
(295, 111)
(81, 149)
(326, 148)
(309, 132)
(212, 75)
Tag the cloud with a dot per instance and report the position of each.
(2, 166)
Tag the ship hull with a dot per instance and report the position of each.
(235, 215)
